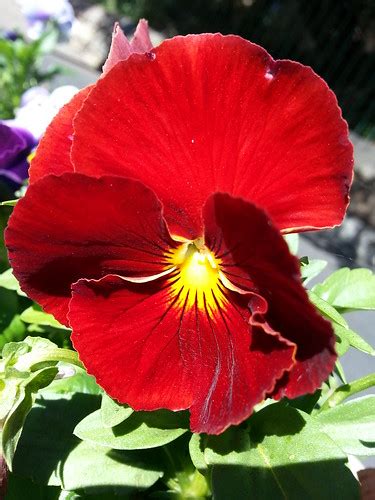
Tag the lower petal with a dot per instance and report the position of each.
(150, 351)
(257, 259)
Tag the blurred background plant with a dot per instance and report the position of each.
(21, 67)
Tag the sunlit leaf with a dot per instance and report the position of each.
(112, 412)
(348, 289)
(285, 456)
(351, 425)
(139, 431)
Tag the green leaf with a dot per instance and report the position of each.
(140, 431)
(8, 396)
(311, 268)
(339, 370)
(123, 472)
(36, 316)
(59, 458)
(9, 203)
(342, 341)
(13, 424)
(292, 241)
(80, 382)
(19, 488)
(47, 437)
(14, 332)
(113, 413)
(351, 425)
(196, 450)
(348, 289)
(8, 307)
(349, 337)
(285, 456)
(326, 309)
(9, 281)
(307, 402)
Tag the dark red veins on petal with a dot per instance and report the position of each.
(255, 257)
(72, 226)
(221, 115)
(146, 351)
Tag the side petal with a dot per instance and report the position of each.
(121, 48)
(256, 258)
(150, 351)
(52, 155)
(73, 226)
(222, 116)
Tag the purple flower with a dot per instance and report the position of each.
(15, 146)
(39, 12)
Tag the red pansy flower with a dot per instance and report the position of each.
(159, 241)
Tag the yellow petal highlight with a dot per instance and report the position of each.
(197, 278)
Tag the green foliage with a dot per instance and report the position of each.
(62, 459)
(20, 69)
(141, 430)
(348, 290)
(25, 368)
(293, 242)
(310, 268)
(281, 457)
(36, 316)
(351, 425)
(345, 290)
(113, 413)
(9, 281)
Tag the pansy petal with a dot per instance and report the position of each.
(121, 48)
(72, 226)
(255, 257)
(53, 152)
(221, 115)
(150, 351)
(13, 143)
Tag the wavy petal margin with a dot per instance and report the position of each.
(222, 116)
(72, 226)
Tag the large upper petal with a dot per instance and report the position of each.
(72, 226)
(256, 258)
(147, 350)
(207, 113)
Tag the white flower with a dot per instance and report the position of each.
(38, 107)
(39, 12)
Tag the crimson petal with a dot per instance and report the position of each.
(72, 226)
(146, 350)
(256, 258)
(221, 115)
(53, 152)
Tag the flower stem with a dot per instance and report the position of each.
(32, 360)
(347, 390)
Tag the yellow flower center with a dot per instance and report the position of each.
(197, 281)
